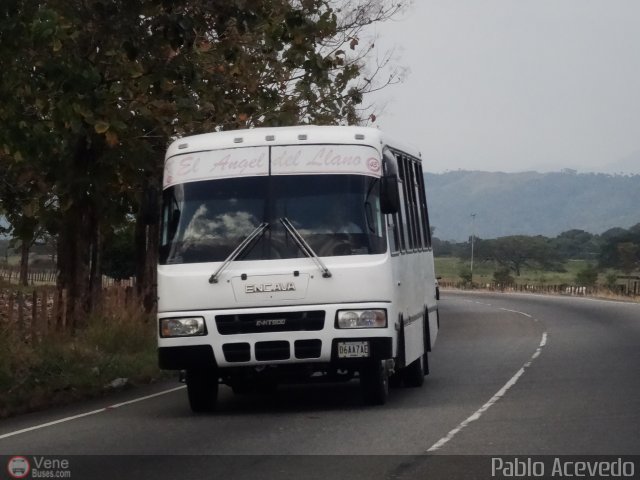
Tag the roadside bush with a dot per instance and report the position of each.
(465, 274)
(611, 281)
(503, 277)
(587, 277)
(61, 367)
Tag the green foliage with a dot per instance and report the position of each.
(483, 272)
(118, 253)
(576, 244)
(93, 92)
(503, 276)
(515, 252)
(587, 277)
(465, 274)
(611, 280)
(621, 249)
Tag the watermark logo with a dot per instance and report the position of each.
(559, 467)
(18, 467)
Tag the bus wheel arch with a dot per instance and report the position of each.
(413, 374)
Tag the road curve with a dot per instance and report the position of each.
(511, 375)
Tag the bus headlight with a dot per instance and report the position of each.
(361, 319)
(182, 327)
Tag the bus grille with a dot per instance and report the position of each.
(270, 322)
(278, 350)
(237, 352)
(307, 348)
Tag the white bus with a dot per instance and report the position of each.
(295, 254)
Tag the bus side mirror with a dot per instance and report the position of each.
(389, 194)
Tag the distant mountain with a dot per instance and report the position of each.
(530, 203)
(628, 164)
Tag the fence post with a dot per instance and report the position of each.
(34, 317)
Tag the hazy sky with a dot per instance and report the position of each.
(513, 85)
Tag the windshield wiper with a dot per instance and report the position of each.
(240, 249)
(304, 246)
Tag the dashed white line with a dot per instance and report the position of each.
(86, 414)
(516, 311)
(499, 394)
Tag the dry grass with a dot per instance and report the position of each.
(62, 367)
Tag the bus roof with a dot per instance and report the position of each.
(298, 135)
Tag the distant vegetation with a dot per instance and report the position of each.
(530, 203)
(573, 257)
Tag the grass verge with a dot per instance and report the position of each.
(61, 368)
(449, 269)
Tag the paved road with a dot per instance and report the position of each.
(511, 375)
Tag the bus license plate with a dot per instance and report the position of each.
(353, 349)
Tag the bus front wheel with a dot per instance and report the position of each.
(374, 381)
(202, 390)
(413, 374)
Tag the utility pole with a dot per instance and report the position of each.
(473, 235)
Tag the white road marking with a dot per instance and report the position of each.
(482, 303)
(478, 413)
(86, 414)
(516, 311)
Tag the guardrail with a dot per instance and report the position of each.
(563, 289)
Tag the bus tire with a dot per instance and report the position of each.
(202, 390)
(374, 381)
(413, 374)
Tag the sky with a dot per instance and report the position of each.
(516, 85)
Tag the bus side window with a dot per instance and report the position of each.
(422, 241)
(426, 227)
(407, 214)
(401, 216)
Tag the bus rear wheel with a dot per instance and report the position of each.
(202, 390)
(374, 381)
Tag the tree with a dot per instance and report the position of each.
(24, 200)
(516, 252)
(576, 244)
(621, 249)
(628, 256)
(98, 88)
(503, 277)
(118, 252)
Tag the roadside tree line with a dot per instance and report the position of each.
(94, 90)
(617, 248)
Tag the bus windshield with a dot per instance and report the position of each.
(336, 214)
